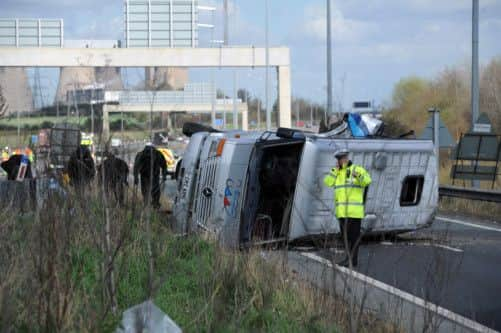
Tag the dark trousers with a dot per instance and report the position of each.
(350, 236)
(151, 194)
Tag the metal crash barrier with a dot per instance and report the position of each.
(469, 193)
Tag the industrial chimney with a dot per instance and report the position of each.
(71, 78)
(109, 77)
(16, 90)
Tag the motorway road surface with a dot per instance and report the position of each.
(453, 264)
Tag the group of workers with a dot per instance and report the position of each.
(17, 167)
(7, 153)
(112, 173)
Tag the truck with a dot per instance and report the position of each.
(253, 188)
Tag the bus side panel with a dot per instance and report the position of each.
(314, 205)
(383, 209)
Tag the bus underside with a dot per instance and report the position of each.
(271, 182)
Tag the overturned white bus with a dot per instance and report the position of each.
(254, 188)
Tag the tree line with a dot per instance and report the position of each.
(450, 92)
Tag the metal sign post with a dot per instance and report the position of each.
(329, 60)
(436, 134)
(445, 137)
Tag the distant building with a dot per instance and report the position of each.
(73, 78)
(81, 78)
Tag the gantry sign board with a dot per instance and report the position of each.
(31, 33)
(161, 23)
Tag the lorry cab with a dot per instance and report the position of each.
(261, 188)
(197, 172)
(186, 182)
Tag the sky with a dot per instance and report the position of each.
(375, 42)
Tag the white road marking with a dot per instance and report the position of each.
(445, 247)
(468, 323)
(479, 226)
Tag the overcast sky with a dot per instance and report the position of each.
(375, 42)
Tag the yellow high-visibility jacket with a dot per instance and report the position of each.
(348, 190)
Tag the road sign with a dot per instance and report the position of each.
(445, 137)
(477, 148)
(362, 105)
(31, 33)
(482, 128)
(483, 124)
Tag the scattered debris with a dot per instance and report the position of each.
(147, 317)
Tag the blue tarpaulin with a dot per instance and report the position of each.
(357, 126)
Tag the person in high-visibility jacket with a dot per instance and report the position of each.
(349, 182)
(5, 154)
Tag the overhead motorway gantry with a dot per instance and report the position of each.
(249, 57)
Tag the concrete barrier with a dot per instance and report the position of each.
(412, 313)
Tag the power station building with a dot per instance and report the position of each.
(16, 90)
(25, 33)
(78, 78)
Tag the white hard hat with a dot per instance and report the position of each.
(341, 152)
(149, 144)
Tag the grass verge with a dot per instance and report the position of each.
(57, 272)
(487, 210)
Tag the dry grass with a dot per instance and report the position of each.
(58, 274)
(488, 210)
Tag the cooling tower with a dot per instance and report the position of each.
(71, 78)
(16, 90)
(110, 77)
(166, 78)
